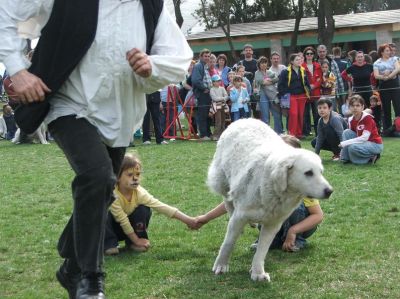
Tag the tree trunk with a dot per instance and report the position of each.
(326, 23)
(299, 14)
(178, 12)
(230, 41)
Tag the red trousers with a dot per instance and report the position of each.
(296, 113)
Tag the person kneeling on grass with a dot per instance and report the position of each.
(330, 129)
(129, 214)
(300, 225)
(361, 143)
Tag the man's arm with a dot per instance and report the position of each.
(170, 57)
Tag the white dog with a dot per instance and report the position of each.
(262, 179)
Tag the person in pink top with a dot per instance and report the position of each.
(361, 142)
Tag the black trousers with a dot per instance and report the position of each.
(95, 166)
(390, 94)
(153, 109)
(331, 142)
(139, 219)
(203, 121)
(311, 107)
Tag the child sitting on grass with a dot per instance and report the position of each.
(129, 214)
(300, 225)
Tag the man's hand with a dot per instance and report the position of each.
(139, 62)
(28, 87)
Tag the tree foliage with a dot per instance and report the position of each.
(219, 13)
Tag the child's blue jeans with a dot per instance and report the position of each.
(297, 216)
(359, 153)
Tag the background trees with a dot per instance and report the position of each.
(219, 13)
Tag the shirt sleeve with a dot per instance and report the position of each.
(339, 81)
(337, 125)
(310, 202)
(20, 19)
(360, 139)
(170, 55)
(145, 198)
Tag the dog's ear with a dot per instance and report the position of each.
(279, 175)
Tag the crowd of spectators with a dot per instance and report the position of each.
(264, 88)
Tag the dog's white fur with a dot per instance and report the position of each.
(38, 136)
(262, 179)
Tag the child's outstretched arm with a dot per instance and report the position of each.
(210, 215)
(315, 218)
(189, 221)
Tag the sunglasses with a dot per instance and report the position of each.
(309, 53)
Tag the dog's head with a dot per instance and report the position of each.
(301, 171)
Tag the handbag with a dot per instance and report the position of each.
(285, 101)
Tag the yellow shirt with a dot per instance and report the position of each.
(310, 202)
(122, 207)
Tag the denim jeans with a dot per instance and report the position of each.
(359, 153)
(96, 166)
(297, 216)
(266, 108)
(238, 114)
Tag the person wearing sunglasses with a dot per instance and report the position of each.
(314, 75)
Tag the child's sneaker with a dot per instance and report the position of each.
(335, 158)
(111, 251)
(375, 158)
(137, 248)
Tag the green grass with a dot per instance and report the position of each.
(353, 254)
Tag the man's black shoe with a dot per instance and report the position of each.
(91, 286)
(68, 280)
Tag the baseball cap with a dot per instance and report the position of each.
(215, 78)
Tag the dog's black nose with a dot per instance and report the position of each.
(328, 192)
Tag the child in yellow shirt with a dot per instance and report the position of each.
(129, 214)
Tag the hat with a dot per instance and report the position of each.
(215, 78)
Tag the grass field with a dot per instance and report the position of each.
(353, 254)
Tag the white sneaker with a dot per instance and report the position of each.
(148, 142)
(112, 251)
(205, 138)
(172, 139)
(164, 142)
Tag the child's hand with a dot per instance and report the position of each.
(289, 244)
(192, 223)
(141, 242)
(200, 221)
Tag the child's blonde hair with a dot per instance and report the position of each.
(129, 161)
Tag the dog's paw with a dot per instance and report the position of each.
(260, 276)
(220, 269)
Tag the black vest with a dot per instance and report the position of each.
(64, 41)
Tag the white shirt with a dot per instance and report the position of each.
(102, 88)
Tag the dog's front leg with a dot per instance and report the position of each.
(235, 228)
(265, 238)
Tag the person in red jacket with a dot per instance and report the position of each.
(361, 142)
(314, 75)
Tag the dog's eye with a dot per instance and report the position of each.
(309, 173)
